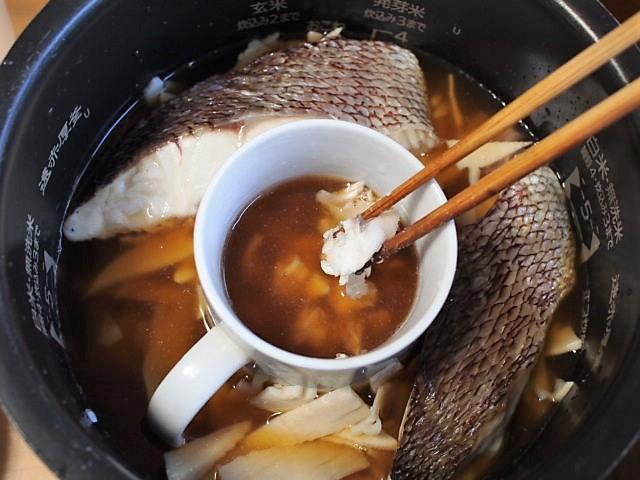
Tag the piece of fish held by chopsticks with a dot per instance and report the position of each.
(514, 267)
(176, 151)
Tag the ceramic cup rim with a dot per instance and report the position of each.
(220, 304)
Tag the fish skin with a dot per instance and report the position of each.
(514, 266)
(373, 83)
(167, 164)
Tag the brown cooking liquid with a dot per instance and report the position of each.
(123, 340)
(277, 288)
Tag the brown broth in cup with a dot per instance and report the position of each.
(277, 288)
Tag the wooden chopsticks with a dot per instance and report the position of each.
(597, 118)
(602, 115)
(553, 85)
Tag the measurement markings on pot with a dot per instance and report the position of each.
(584, 314)
(402, 36)
(574, 187)
(593, 172)
(42, 318)
(271, 12)
(614, 293)
(398, 13)
(598, 169)
(32, 278)
(75, 116)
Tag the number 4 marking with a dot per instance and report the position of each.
(402, 36)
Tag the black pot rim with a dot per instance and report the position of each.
(51, 431)
(595, 449)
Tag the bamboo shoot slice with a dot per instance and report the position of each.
(372, 425)
(487, 155)
(560, 390)
(185, 271)
(283, 398)
(158, 252)
(382, 441)
(309, 461)
(323, 416)
(197, 458)
(562, 340)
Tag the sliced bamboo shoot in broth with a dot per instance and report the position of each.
(132, 307)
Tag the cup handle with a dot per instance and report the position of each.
(192, 382)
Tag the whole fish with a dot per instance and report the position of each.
(173, 154)
(514, 266)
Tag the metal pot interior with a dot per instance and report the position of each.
(67, 70)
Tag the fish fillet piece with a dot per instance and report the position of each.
(514, 267)
(348, 247)
(173, 154)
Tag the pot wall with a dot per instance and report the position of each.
(66, 71)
